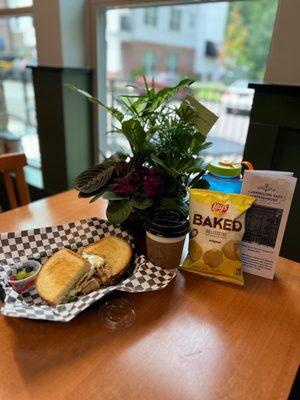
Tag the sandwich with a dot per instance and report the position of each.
(66, 275)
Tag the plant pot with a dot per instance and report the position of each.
(135, 225)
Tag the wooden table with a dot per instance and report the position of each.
(194, 340)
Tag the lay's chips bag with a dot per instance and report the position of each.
(217, 222)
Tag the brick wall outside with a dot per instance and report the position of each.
(132, 56)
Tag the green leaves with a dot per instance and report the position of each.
(118, 211)
(165, 93)
(94, 179)
(168, 203)
(156, 100)
(135, 134)
(113, 196)
(113, 111)
(119, 207)
(161, 135)
(174, 203)
(139, 158)
(141, 203)
(201, 184)
(157, 161)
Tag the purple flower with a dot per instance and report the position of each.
(123, 187)
(143, 180)
(152, 184)
(138, 174)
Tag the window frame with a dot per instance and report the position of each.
(16, 11)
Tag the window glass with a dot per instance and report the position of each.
(15, 3)
(192, 20)
(149, 62)
(175, 19)
(222, 45)
(150, 16)
(18, 130)
(172, 62)
(125, 23)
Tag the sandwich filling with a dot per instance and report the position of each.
(98, 275)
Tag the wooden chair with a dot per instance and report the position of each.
(14, 163)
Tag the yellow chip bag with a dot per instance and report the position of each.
(217, 222)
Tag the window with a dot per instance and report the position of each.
(211, 49)
(192, 20)
(176, 50)
(125, 23)
(150, 16)
(175, 19)
(15, 3)
(149, 62)
(18, 127)
(172, 63)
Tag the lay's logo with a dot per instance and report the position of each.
(219, 208)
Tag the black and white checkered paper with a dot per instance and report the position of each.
(41, 243)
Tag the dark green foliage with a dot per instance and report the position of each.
(165, 142)
(94, 179)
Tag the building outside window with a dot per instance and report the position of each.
(172, 63)
(202, 41)
(149, 62)
(150, 16)
(192, 20)
(175, 19)
(125, 22)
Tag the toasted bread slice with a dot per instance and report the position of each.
(59, 274)
(116, 252)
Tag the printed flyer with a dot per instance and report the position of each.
(266, 219)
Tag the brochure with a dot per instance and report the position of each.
(266, 219)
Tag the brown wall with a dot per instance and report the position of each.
(132, 56)
(283, 66)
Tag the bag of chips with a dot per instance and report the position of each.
(217, 222)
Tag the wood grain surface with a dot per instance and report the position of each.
(194, 340)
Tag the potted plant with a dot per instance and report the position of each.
(166, 140)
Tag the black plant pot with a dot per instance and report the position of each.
(135, 225)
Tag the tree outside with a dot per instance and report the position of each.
(248, 37)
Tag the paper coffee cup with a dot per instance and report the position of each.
(165, 234)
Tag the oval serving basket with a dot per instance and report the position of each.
(39, 244)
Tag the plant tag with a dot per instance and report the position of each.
(204, 119)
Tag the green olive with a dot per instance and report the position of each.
(21, 275)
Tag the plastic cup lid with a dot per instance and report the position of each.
(224, 168)
(167, 223)
(117, 314)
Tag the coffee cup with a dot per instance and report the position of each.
(165, 234)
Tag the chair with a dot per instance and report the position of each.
(14, 163)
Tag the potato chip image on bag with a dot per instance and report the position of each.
(217, 223)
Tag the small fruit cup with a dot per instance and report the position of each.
(21, 276)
